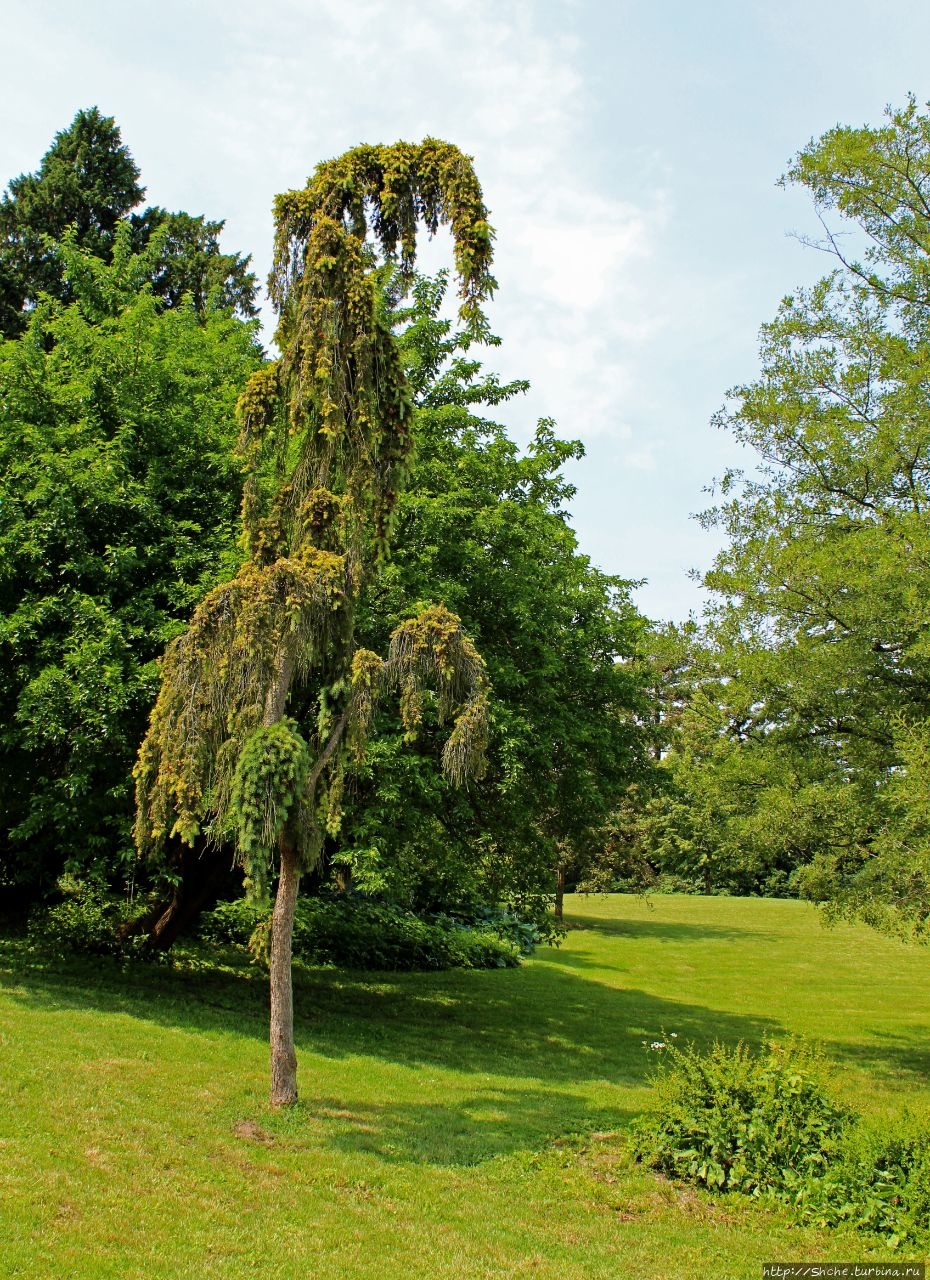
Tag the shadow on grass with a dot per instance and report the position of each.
(665, 930)
(489, 1123)
(538, 1022)
(887, 1056)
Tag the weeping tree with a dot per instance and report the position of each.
(266, 697)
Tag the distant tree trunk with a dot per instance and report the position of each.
(559, 892)
(283, 1056)
(708, 885)
(202, 873)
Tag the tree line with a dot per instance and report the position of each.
(131, 493)
(776, 745)
(793, 721)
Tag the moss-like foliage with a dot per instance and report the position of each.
(270, 777)
(325, 439)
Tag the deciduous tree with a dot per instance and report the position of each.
(484, 526)
(823, 622)
(118, 508)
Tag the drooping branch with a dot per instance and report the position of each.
(432, 651)
(325, 436)
(216, 680)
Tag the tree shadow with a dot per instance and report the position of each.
(538, 1022)
(490, 1123)
(886, 1055)
(666, 930)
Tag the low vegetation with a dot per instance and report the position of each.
(764, 1125)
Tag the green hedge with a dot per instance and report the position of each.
(357, 933)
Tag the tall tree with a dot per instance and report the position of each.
(118, 509)
(484, 527)
(88, 182)
(325, 440)
(824, 583)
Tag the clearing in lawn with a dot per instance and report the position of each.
(451, 1124)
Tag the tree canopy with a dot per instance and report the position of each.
(118, 504)
(88, 184)
(484, 527)
(819, 636)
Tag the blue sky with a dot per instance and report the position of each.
(629, 154)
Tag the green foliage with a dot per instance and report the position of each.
(325, 456)
(86, 186)
(86, 919)
(763, 1124)
(270, 776)
(796, 745)
(733, 1120)
(878, 1181)
(354, 933)
(187, 263)
(87, 180)
(484, 526)
(118, 503)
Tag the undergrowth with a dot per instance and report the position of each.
(763, 1125)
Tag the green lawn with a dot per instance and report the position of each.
(453, 1124)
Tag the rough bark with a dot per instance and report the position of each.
(283, 1056)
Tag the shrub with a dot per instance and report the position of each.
(525, 934)
(878, 1182)
(232, 922)
(87, 919)
(735, 1121)
(762, 1124)
(356, 933)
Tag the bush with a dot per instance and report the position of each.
(879, 1182)
(232, 922)
(763, 1125)
(526, 935)
(87, 919)
(356, 933)
(736, 1121)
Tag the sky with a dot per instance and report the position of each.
(629, 154)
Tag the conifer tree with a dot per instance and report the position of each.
(267, 693)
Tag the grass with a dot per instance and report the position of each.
(455, 1124)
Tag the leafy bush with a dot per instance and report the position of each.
(879, 1182)
(763, 1125)
(87, 919)
(233, 922)
(736, 1121)
(356, 933)
(525, 934)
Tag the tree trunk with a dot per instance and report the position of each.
(708, 882)
(283, 1057)
(559, 892)
(203, 872)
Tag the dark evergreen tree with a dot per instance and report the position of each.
(87, 183)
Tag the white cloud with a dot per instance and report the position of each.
(508, 89)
